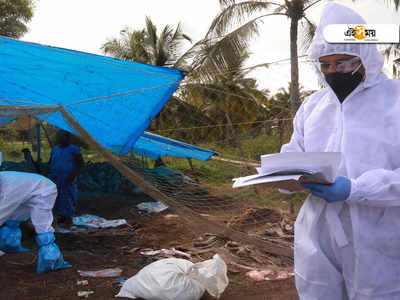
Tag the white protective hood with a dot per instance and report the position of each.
(334, 13)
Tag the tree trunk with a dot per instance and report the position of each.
(294, 66)
(231, 130)
(280, 130)
(267, 128)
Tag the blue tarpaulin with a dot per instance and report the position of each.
(113, 100)
(153, 146)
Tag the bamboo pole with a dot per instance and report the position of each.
(17, 111)
(39, 143)
(46, 134)
(243, 163)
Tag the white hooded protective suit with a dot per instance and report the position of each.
(351, 249)
(27, 195)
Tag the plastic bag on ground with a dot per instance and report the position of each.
(177, 279)
(155, 207)
(101, 273)
(93, 221)
(212, 274)
(90, 222)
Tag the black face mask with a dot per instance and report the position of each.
(343, 83)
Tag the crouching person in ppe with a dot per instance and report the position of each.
(24, 196)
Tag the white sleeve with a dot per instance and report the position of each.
(378, 187)
(296, 143)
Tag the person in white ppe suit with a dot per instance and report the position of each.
(347, 235)
(23, 196)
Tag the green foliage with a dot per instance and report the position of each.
(253, 147)
(225, 97)
(180, 115)
(147, 46)
(213, 171)
(130, 46)
(14, 14)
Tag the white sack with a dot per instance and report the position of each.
(177, 279)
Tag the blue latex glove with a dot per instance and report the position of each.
(10, 238)
(49, 257)
(339, 190)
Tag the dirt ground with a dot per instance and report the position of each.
(119, 247)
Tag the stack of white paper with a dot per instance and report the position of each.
(286, 170)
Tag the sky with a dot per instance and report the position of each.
(85, 25)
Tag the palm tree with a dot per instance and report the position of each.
(130, 46)
(396, 3)
(226, 97)
(239, 11)
(147, 46)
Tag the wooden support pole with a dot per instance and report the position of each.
(190, 164)
(38, 142)
(47, 135)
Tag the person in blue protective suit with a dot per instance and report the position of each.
(66, 163)
(347, 237)
(23, 196)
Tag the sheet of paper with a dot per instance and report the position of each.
(257, 179)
